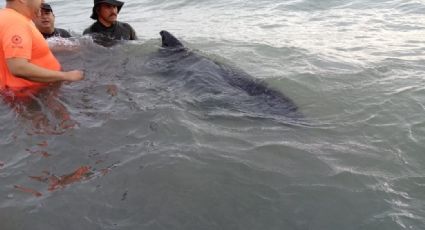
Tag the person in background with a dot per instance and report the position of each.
(26, 61)
(105, 12)
(45, 23)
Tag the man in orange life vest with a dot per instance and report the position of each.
(25, 58)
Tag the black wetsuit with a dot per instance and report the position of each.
(58, 33)
(106, 35)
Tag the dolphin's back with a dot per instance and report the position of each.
(268, 100)
(204, 77)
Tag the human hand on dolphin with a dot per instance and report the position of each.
(74, 75)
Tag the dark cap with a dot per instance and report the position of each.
(116, 3)
(46, 6)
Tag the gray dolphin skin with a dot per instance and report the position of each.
(225, 85)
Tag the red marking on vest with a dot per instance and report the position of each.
(16, 40)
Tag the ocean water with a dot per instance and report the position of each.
(131, 147)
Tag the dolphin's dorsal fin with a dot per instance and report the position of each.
(168, 40)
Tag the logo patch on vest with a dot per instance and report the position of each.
(16, 40)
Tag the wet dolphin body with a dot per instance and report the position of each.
(226, 86)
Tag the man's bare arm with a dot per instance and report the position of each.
(22, 68)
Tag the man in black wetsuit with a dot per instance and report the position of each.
(106, 27)
(45, 23)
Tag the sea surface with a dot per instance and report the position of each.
(131, 149)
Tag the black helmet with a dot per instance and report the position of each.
(116, 3)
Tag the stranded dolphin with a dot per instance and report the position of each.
(218, 85)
